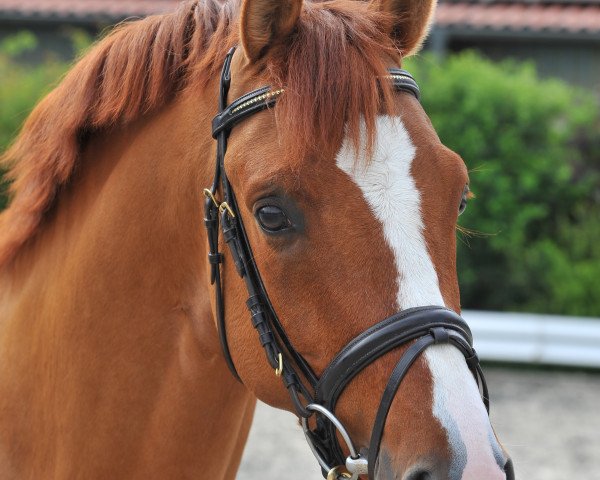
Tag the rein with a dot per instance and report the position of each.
(424, 326)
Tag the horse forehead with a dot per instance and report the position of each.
(262, 160)
(433, 158)
(259, 160)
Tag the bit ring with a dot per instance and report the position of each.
(334, 474)
(354, 455)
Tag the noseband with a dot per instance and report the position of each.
(421, 327)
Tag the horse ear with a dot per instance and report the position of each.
(412, 21)
(264, 22)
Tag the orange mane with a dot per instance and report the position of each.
(329, 69)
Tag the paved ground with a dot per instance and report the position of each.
(549, 421)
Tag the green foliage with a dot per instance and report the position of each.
(18, 44)
(533, 150)
(23, 85)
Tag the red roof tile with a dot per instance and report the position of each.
(514, 17)
(570, 16)
(85, 8)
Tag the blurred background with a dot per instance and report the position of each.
(514, 87)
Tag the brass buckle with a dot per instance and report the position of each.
(224, 207)
(209, 194)
(279, 369)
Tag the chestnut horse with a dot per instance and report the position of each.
(111, 365)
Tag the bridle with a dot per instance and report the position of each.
(423, 326)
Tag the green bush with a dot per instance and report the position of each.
(22, 86)
(533, 149)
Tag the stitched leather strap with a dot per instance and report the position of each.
(380, 339)
(262, 313)
(404, 81)
(236, 112)
(264, 97)
(438, 335)
(399, 329)
(409, 357)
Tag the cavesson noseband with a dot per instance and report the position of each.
(423, 326)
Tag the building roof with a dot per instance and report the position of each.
(558, 16)
(551, 16)
(82, 10)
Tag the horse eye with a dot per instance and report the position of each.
(463, 201)
(272, 219)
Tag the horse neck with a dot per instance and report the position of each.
(108, 332)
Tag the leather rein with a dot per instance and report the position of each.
(423, 326)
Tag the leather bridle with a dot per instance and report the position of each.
(423, 326)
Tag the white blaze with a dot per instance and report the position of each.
(458, 407)
(390, 190)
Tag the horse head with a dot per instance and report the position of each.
(348, 203)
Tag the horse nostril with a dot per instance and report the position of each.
(509, 470)
(419, 475)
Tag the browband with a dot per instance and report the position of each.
(265, 97)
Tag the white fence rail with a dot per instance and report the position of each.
(538, 339)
